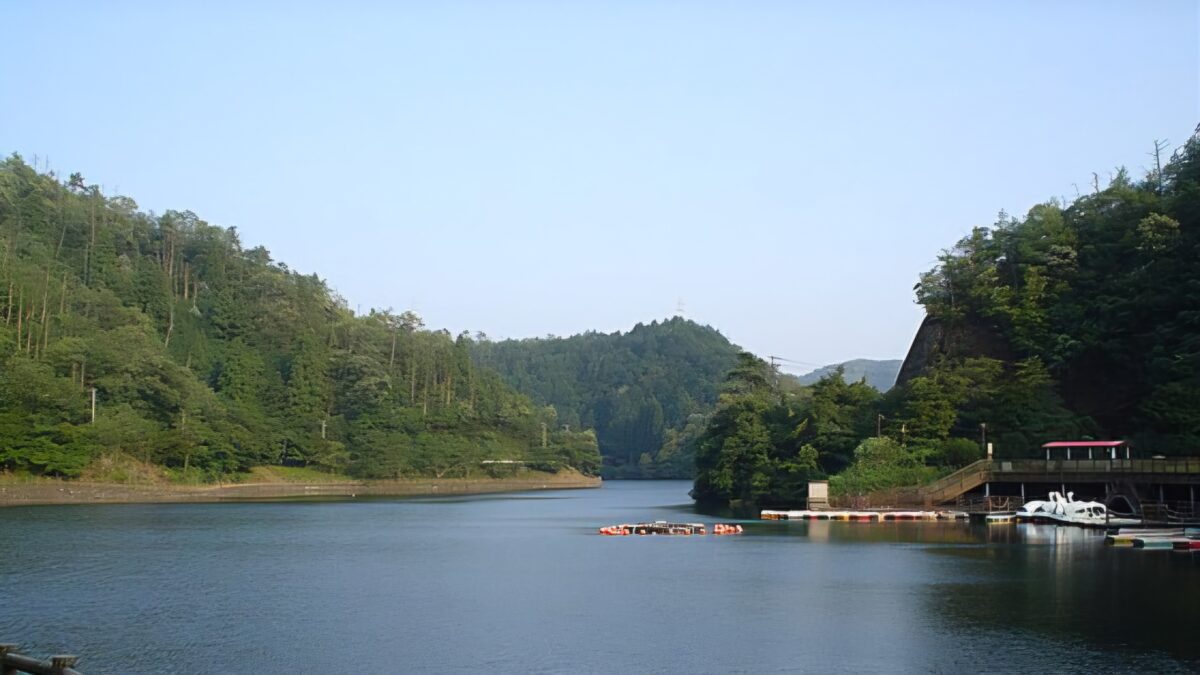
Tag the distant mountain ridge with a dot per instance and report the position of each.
(880, 374)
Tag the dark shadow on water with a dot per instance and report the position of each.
(1063, 586)
(725, 511)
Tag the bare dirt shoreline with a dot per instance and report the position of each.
(80, 492)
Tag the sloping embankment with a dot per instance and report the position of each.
(79, 492)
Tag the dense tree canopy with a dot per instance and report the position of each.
(765, 441)
(645, 392)
(1078, 321)
(208, 358)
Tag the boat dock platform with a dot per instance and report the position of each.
(1176, 539)
(862, 516)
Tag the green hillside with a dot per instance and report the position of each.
(208, 358)
(1080, 319)
(646, 392)
(1077, 321)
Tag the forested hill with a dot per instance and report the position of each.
(645, 392)
(1079, 320)
(879, 374)
(207, 358)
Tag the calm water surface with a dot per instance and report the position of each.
(521, 583)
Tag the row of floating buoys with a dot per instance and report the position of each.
(724, 528)
(615, 530)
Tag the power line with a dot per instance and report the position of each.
(774, 359)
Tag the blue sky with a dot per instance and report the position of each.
(786, 169)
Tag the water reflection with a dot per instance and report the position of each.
(1054, 596)
(521, 583)
(1062, 587)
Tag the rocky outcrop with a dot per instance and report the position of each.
(929, 341)
(935, 339)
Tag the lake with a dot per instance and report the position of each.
(522, 583)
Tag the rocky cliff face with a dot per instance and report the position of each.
(927, 342)
(936, 339)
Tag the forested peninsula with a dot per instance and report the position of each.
(1080, 320)
(647, 392)
(160, 340)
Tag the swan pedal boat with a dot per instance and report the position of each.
(1066, 510)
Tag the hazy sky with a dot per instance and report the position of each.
(786, 169)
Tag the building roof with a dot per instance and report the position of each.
(1084, 444)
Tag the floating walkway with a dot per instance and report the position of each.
(1177, 539)
(863, 516)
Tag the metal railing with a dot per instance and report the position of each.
(12, 663)
(960, 481)
(1171, 513)
(983, 471)
(988, 504)
(1167, 466)
(888, 498)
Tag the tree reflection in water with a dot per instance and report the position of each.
(1062, 590)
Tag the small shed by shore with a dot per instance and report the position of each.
(818, 495)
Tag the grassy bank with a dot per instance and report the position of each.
(270, 483)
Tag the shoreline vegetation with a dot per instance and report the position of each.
(270, 484)
(164, 338)
(1077, 321)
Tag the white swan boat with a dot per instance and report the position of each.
(1067, 511)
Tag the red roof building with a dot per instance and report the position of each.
(1093, 449)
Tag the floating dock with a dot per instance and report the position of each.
(862, 516)
(1177, 539)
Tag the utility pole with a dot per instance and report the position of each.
(93, 405)
(544, 435)
(323, 421)
(878, 426)
(983, 435)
